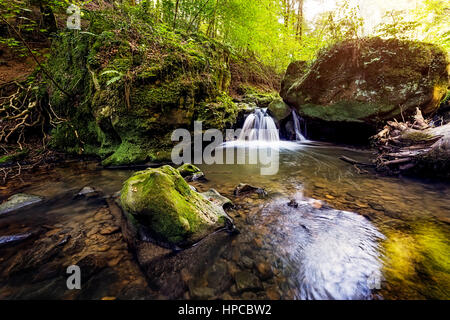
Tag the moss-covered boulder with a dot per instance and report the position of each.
(188, 169)
(131, 85)
(161, 200)
(357, 85)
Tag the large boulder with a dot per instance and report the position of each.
(294, 71)
(127, 96)
(161, 201)
(357, 85)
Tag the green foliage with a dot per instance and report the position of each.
(117, 77)
(428, 22)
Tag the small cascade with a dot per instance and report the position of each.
(259, 126)
(297, 126)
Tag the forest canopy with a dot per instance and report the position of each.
(276, 31)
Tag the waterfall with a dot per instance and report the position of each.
(297, 127)
(259, 126)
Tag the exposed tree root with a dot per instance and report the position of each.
(24, 122)
(413, 146)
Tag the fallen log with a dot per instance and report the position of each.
(355, 162)
(414, 147)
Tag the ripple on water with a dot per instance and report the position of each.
(332, 254)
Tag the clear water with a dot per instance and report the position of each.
(349, 234)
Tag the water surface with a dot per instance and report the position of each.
(348, 233)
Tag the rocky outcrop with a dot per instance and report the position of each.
(129, 92)
(357, 85)
(161, 201)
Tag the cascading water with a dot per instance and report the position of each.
(259, 126)
(297, 127)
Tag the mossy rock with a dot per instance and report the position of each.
(278, 109)
(11, 158)
(188, 169)
(161, 200)
(130, 120)
(367, 82)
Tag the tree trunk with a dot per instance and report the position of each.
(176, 13)
(300, 20)
(211, 32)
(48, 18)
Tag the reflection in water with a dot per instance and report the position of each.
(334, 253)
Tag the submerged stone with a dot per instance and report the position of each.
(247, 281)
(18, 201)
(215, 197)
(87, 192)
(201, 293)
(4, 240)
(161, 200)
(199, 176)
(244, 188)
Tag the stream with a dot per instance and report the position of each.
(326, 230)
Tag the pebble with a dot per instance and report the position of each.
(201, 293)
(376, 206)
(109, 230)
(53, 232)
(114, 262)
(247, 262)
(246, 281)
(103, 248)
(264, 270)
(319, 185)
(272, 293)
(249, 296)
(317, 204)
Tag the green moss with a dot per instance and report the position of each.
(127, 153)
(383, 80)
(165, 81)
(188, 169)
(417, 136)
(348, 111)
(162, 200)
(279, 109)
(218, 115)
(14, 157)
